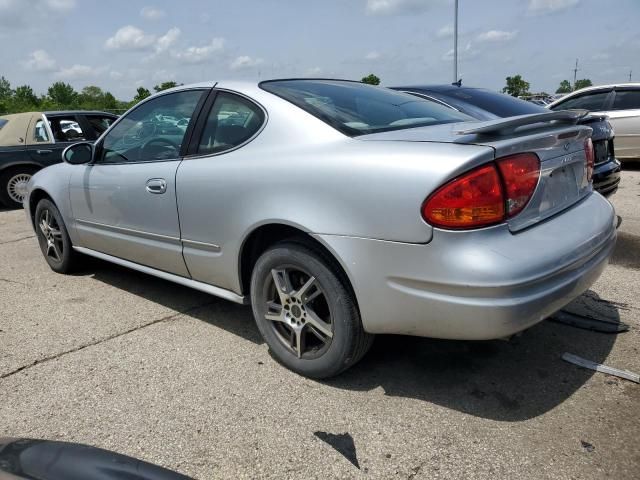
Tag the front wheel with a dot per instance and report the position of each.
(305, 312)
(53, 238)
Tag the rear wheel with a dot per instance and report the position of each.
(305, 312)
(53, 238)
(13, 185)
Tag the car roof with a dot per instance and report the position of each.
(77, 112)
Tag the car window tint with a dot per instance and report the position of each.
(588, 101)
(626, 99)
(232, 121)
(66, 129)
(40, 134)
(152, 131)
(100, 124)
(355, 108)
(496, 103)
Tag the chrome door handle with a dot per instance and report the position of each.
(42, 152)
(156, 185)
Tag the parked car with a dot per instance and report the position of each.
(487, 105)
(339, 210)
(34, 140)
(619, 102)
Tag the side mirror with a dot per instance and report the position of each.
(78, 153)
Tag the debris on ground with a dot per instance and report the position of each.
(588, 323)
(583, 362)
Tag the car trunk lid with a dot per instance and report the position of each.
(553, 137)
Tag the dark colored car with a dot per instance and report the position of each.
(487, 105)
(34, 140)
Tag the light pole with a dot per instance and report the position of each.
(455, 43)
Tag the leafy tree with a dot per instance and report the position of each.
(24, 99)
(585, 82)
(516, 86)
(565, 87)
(165, 86)
(371, 79)
(62, 95)
(5, 94)
(141, 94)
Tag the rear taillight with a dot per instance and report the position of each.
(590, 158)
(486, 195)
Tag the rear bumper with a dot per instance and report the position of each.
(606, 177)
(478, 285)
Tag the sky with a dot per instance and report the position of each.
(121, 45)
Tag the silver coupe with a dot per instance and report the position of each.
(338, 210)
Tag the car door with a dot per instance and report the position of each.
(42, 146)
(211, 180)
(124, 203)
(624, 115)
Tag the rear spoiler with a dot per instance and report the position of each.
(509, 124)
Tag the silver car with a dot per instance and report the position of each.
(621, 103)
(338, 210)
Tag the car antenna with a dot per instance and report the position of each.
(458, 83)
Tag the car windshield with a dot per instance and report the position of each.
(499, 104)
(357, 109)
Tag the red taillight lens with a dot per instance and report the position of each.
(471, 201)
(590, 158)
(486, 195)
(520, 174)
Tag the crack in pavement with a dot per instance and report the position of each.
(13, 281)
(17, 240)
(102, 340)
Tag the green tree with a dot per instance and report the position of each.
(5, 95)
(62, 95)
(91, 98)
(24, 99)
(516, 86)
(141, 94)
(371, 79)
(565, 87)
(583, 83)
(165, 86)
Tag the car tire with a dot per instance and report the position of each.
(306, 311)
(53, 238)
(13, 182)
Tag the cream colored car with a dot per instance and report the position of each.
(621, 103)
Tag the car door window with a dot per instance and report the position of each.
(40, 134)
(231, 122)
(100, 124)
(148, 133)
(588, 101)
(66, 129)
(626, 100)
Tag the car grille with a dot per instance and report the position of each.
(601, 150)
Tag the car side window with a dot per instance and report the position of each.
(626, 100)
(40, 134)
(588, 101)
(232, 121)
(151, 132)
(66, 129)
(100, 124)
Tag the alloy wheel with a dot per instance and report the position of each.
(17, 186)
(52, 235)
(298, 312)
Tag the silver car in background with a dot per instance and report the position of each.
(338, 210)
(621, 103)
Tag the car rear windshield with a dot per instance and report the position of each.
(3, 122)
(499, 104)
(357, 109)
